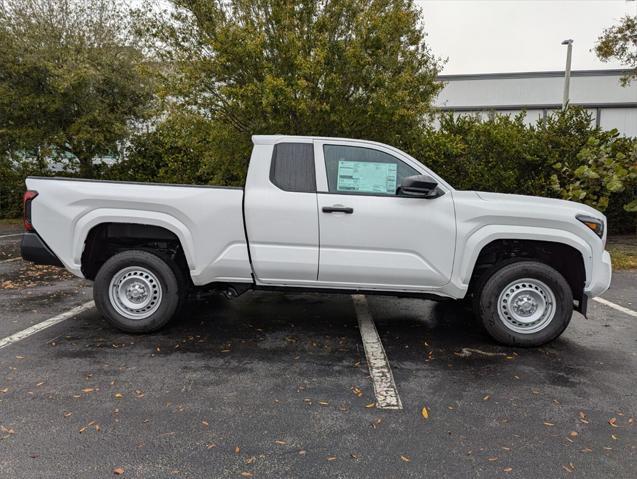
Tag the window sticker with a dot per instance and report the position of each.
(367, 177)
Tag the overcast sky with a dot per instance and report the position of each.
(485, 36)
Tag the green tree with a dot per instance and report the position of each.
(354, 68)
(179, 150)
(620, 42)
(71, 80)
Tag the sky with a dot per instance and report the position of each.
(495, 36)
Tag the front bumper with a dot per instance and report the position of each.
(600, 277)
(35, 250)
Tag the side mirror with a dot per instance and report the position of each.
(419, 186)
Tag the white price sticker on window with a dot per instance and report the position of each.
(367, 177)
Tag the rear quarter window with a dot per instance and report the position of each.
(292, 167)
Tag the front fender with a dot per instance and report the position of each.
(473, 245)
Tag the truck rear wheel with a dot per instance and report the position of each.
(138, 291)
(526, 303)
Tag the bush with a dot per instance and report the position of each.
(562, 155)
(13, 172)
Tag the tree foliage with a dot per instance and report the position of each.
(71, 83)
(620, 42)
(354, 68)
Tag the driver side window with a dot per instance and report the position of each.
(360, 170)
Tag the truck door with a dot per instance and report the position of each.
(370, 236)
(281, 213)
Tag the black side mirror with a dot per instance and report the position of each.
(419, 186)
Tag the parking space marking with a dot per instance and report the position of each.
(10, 260)
(627, 311)
(379, 369)
(36, 328)
(9, 236)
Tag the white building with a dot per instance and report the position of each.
(599, 91)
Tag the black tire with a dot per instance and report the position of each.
(170, 291)
(502, 328)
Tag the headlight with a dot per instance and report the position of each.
(595, 224)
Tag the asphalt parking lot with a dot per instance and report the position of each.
(274, 385)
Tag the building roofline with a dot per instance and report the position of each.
(541, 74)
(531, 106)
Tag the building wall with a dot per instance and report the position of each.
(599, 91)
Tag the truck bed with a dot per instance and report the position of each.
(208, 220)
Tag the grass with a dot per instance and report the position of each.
(10, 221)
(623, 251)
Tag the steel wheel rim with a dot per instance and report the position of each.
(135, 292)
(526, 305)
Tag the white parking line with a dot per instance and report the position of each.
(382, 378)
(36, 328)
(9, 236)
(627, 311)
(10, 260)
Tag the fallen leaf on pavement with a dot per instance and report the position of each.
(118, 471)
(405, 458)
(424, 412)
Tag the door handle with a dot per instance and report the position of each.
(338, 209)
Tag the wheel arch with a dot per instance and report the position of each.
(95, 218)
(564, 251)
(107, 238)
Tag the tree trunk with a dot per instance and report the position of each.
(86, 167)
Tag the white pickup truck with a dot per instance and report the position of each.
(323, 215)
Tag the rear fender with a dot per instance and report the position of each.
(95, 217)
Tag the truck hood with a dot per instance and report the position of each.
(525, 202)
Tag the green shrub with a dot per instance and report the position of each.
(13, 172)
(563, 155)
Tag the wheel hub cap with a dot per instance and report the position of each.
(526, 305)
(135, 292)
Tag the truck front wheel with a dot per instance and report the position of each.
(526, 303)
(137, 291)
